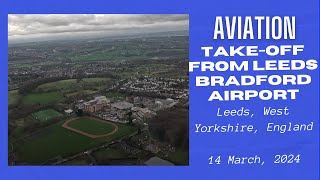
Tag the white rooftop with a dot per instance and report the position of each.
(122, 105)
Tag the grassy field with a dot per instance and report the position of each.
(115, 95)
(92, 126)
(75, 84)
(53, 92)
(57, 141)
(13, 97)
(42, 98)
(80, 161)
(46, 115)
(58, 84)
(80, 92)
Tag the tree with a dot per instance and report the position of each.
(79, 112)
(129, 117)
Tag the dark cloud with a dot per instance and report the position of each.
(32, 25)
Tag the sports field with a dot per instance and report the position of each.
(58, 141)
(92, 126)
(46, 115)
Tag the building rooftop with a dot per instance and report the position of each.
(102, 98)
(122, 105)
(68, 111)
(156, 161)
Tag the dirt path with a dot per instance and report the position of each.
(66, 125)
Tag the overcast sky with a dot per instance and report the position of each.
(33, 26)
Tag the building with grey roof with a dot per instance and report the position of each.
(156, 161)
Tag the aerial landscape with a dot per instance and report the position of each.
(98, 90)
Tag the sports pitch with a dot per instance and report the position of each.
(46, 115)
(91, 127)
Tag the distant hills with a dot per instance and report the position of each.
(97, 37)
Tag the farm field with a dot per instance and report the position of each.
(57, 141)
(46, 115)
(92, 126)
(42, 98)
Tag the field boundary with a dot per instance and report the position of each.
(66, 125)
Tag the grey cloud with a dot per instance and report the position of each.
(43, 24)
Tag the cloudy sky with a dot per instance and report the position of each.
(33, 26)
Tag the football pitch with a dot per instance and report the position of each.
(46, 115)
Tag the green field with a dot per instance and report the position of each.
(42, 98)
(54, 92)
(13, 97)
(80, 161)
(58, 84)
(91, 126)
(73, 84)
(57, 141)
(115, 95)
(46, 115)
(81, 93)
